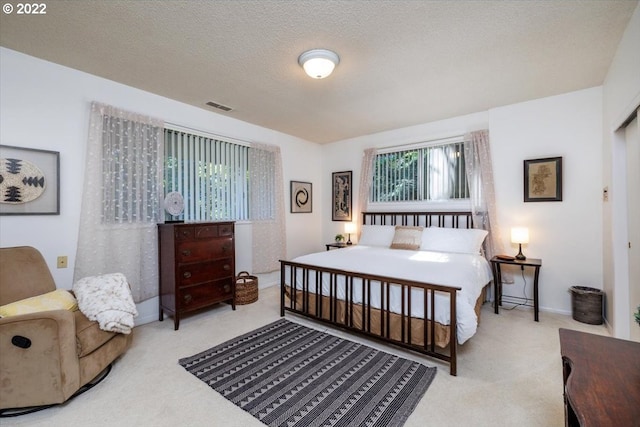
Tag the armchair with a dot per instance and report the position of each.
(46, 356)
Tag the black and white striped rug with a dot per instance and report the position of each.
(285, 374)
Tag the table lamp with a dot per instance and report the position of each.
(349, 228)
(520, 235)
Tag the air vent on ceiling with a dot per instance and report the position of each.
(219, 106)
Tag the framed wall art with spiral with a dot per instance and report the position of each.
(301, 197)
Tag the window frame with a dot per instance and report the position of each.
(441, 205)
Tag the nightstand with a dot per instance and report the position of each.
(497, 280)
(336, 245)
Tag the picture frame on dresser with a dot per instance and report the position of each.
(30, 182)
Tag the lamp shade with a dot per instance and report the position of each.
(349, 228)
(519, 235)
(318, 63)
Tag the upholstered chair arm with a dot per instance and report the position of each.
(39, 359)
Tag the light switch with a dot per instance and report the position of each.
(62, 262)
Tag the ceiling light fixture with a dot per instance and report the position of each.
(318, 63)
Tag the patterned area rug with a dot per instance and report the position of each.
(285, 374)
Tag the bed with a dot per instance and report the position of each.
(404, 266)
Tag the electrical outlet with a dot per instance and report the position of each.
(62, 262)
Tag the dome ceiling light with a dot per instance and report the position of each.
(318, 63)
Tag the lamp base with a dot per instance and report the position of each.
(349, 242)
(520, 256)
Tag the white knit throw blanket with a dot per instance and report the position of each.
(107, 299)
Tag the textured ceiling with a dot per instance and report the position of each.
(402, 62)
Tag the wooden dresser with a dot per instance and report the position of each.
(601, 380)
(197, 267)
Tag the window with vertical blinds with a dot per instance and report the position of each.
(211, 175)
(431, 171)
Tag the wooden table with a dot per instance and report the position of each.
(601, 377)
(335, 245)
(497, 280)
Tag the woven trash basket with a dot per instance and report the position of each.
(246, 288)
(586, 304)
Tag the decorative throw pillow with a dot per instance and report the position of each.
(376, 235)
(407, 237)
(457, 240)
(59, 299)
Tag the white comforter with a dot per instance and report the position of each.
(469, 272)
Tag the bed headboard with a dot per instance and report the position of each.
(424, 219)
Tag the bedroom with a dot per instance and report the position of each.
(573, 125)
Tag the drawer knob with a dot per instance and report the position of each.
(186, 274)
(185, 233)
(187, 298)
(226, 267)
(226, 247)
(186, 252)
(227, 288)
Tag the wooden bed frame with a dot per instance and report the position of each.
(399, 329)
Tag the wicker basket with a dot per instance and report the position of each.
(246, 288)
(586, 304)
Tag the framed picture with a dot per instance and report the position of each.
(301, 197)
(543, 180)
(342, 198)
(30, 181)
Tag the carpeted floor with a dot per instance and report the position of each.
(509, 374)
(286, 374)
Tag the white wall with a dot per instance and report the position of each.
(566, 235)
(621, 95)
(44, 105)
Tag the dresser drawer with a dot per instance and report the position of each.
(184, 233)
(204, 294)
(189, 274)
(191, 232)
(225, 230)
(200, 250)
(206, 231)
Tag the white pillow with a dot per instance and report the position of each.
(377, 235)
(458, 240)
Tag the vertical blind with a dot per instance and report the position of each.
(425, 172)
(211, 175)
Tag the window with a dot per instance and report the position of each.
(211, 175)
(425, 172)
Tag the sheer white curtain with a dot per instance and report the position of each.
(477, 155)
(266, 207)
(366, 180)
(121, 200)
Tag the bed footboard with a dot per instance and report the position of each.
(375, 306)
